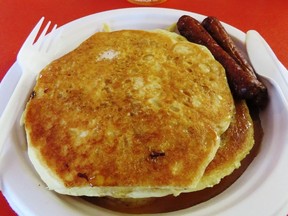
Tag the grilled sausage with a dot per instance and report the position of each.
(242, 84)
(220, 35)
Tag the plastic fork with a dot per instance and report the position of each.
(32, 57)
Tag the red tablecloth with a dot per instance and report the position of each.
(17, 18)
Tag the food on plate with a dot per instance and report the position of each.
(220, 35)
(242, 137)
(243, 83)
(236, 144)
(128, 113)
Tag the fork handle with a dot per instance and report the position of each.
(15, 104)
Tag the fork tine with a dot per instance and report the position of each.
(31, 38)
(42, 35)
(54, 27)
(48, 39)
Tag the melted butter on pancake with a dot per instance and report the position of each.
(128, 114)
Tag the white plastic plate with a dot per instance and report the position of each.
(261, 190)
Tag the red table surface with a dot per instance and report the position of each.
(17, 18)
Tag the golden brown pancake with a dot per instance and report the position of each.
(128, 114)
(236, 143)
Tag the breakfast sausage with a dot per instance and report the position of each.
(242, 84)
(220, 35)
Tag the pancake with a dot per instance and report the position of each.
(236, 144)
(128, 114)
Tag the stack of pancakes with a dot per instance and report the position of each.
(135, 114)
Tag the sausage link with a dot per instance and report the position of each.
(242, 84)
(220, 35)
